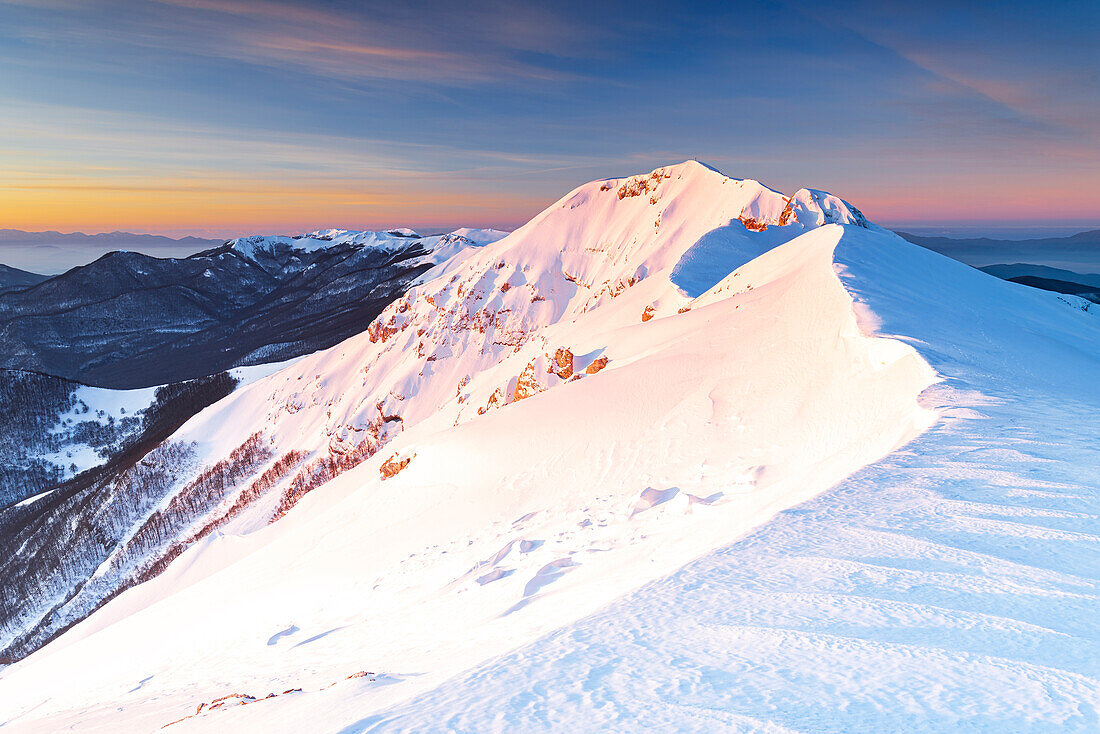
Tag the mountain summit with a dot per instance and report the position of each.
(485, 328)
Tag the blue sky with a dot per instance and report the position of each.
(226, 116)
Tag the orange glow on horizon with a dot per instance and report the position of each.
(182, 206)
(231, 207)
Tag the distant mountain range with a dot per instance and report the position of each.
(131, 320)
(55, 252)
(1025, 270)
(1079, 253)
(1049, 279)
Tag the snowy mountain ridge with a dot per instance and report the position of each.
(443, 341)
(388, 240)
(644, 372)
(490, 327)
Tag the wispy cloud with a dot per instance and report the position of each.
(64, 166)
(1035, 63)
(296, 112)
(386, 42)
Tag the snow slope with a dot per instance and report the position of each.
(532, 497)
(951, 586)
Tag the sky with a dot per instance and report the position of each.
(225, 117)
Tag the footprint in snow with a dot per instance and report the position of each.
(498, 556)
(316, 637)
(548, 574)
(140, 685)
(525, 518)
(695, 500)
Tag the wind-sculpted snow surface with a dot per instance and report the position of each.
(949, 587)
(535, 429)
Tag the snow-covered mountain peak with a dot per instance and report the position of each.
(320, 240)
(460, 340)
(815, 208)
(398, 239)
(624, 229)
(492, 318)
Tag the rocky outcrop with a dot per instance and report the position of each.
(527, 384)
(752, 224)
(787, 216)
(393, 465)
(648, 313)
(597, 364)
(562, 364)
(639, 185)
(496, 400)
